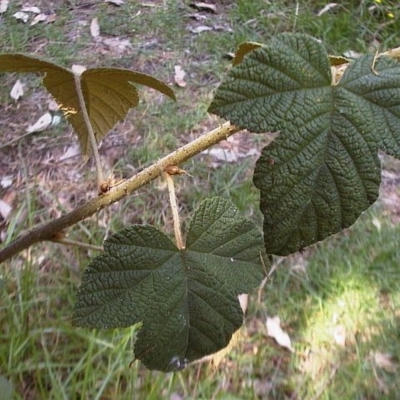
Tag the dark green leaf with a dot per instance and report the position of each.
(186, 299)
(322, 171)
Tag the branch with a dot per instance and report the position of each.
(50, 231)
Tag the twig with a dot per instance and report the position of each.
(174, 209)
(48, 231)
(17, 139)
(83, 245)
(267, 277)
(92, 137)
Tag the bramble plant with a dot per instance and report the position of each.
(315, 179)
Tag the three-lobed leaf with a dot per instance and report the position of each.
(108, 92)
(186, 299)
(323, 169)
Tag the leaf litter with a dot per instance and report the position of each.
(179, 76)
(3, 6)
(17, 90)
(275, 331)
(127, 132)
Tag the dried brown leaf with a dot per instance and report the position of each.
(21, 16)
(204, 6)
(115, 2)
(39, 18)
(179, 76)
(200, 29)
(35, 10)
(17, 90)
(95, 28)
(275, 331)
(118, 45)
(3, 6)
(5, 209)
(41, 124)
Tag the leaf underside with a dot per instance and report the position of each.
(323, 170)
(186, 299)
(108, 92)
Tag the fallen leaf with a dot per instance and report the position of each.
(204, 6)
(51, 18)
(3, 6)
(198, 17)
(327, 8)
(200, 29)
(116, 2)
(179, 76)
(71, 152)
(39, 18)
(275, 331)
(118, 45)
(53, 105)
(5, 209)
(95, 28)
(385, 361)
(34, 10)
(41, 124)
(229, 155)
(21, 16)
(6, 181)
(339, 335)
(17, 90)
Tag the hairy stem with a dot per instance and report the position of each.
(174, 209)
(50, 230)
(92, 137)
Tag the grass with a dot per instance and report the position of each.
(348, 284)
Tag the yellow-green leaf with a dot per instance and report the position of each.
(243, 49)
(338, 60)
(108, 92)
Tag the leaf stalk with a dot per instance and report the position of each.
(175, 210)
(92, 137)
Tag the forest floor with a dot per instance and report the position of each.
(338, 301)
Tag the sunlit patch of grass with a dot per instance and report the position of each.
(339, 305)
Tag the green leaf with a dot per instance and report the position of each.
(186, 299)
(108, 92)
(322, 171)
